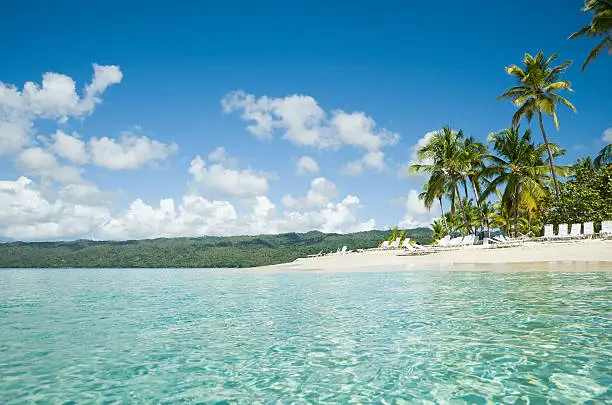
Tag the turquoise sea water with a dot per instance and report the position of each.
(203, 336)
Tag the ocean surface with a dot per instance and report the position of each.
(214, 336)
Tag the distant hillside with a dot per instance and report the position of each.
(207, 251)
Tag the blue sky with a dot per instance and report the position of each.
(411, 68)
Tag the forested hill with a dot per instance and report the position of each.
(207, 251)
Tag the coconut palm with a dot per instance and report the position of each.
(536, 93)
(444, 159)
(600, 26)
(604, 156)
(486, 213)
(439, 230)
(521, 168)
(475, 155)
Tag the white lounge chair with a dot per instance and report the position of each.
(606, 228)
(562, 231)
(406, 243)
(588, 230)
(395, 244)
(317, 255)
(417, 250)
(384, 245)
(575, 231)
(549, 231)
(444, 241)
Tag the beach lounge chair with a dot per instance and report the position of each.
(317, 255)
(395, 244)
(549, 231)
(562, 231)
(588, 230)
(405, 244)
(384, 245)
(343, 251)
(444, 241)
(606, 228)
(416, 250)
(575, 231)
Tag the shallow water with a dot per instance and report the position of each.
(187, 336)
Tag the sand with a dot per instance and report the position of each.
(582, 255)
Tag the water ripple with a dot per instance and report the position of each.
(198, 336)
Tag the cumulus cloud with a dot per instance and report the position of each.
(54, 98)
(371, 160)
(607, 135)
(416, 214)
(129, 152)
(218, 178)
(82, 211)
(14, 135)
(36, 161)
(70, 147)
(306, 165)
(26, 214)
(303, 122)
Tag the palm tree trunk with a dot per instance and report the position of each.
(465, 214)
(550, 156)
(477, 198)
(442, 210)
(516, 211)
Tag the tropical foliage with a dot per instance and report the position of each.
(586, 196)
(600, 26)
(538, 83)
(204, 252)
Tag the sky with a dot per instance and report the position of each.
(130, 120)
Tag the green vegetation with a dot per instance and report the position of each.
(600, 26)
(205, 252)
(513, 187)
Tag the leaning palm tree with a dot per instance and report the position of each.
(604, 157)
(600, 26)
(444, 159)
(521, 168)
(536, 93)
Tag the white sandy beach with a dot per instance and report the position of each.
(583, 255)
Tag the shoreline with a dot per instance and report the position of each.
(579, 255)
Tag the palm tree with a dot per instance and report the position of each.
(600, 26)
(604, 156)
(475, 155)
(536, 93)
(519, 166)
(439, 230)
(430, 194)
(486, 213)
(446, 164)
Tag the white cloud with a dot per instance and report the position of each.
(306, 165)
(55, 98)
(416, 214)
(607, 135)
(320, 193)
(130, 152)
(303, 122)
(70, 147)
(371, 160)
(359, 130)
(14, 135)
(82, 211)
(36, 161)
(25, 214)
(227, 181)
